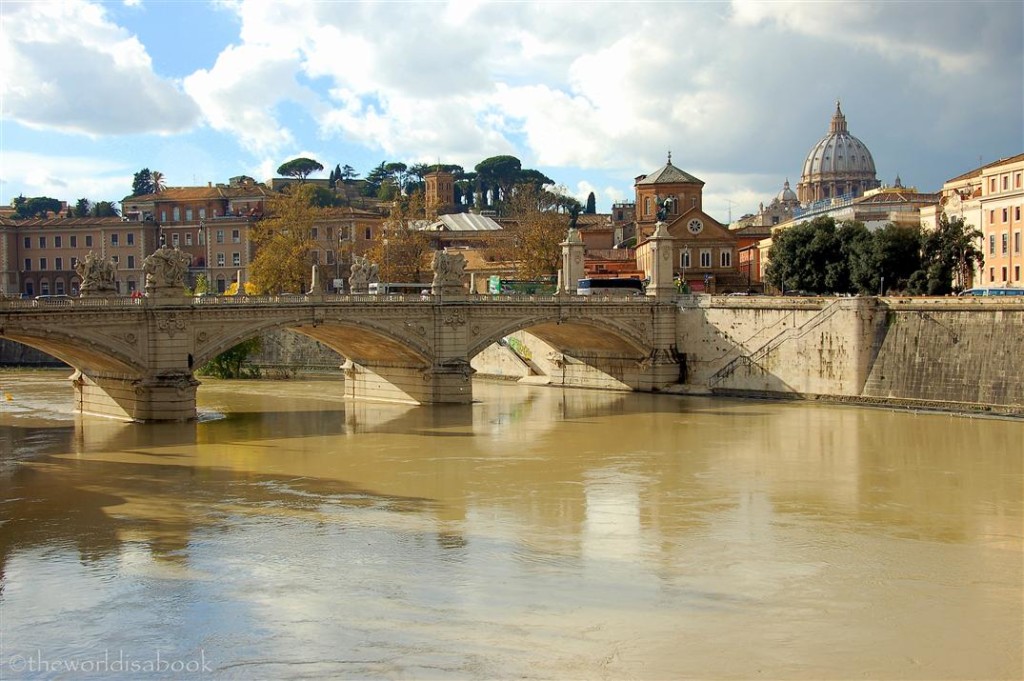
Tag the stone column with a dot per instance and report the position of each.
(572, 262)
(661, 247)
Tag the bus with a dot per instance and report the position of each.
(992, 291)
(610, 287)
(394, 289)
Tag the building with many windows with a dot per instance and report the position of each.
(38, 256)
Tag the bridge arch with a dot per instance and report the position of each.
(566, 332)
(83, 353)
(359, 340)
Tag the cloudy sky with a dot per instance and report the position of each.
(590, 93)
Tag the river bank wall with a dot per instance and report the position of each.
(961, 353)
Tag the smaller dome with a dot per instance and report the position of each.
(787, 195)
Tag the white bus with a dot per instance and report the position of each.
(993, 291)
(610, 287)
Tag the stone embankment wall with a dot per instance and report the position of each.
(954, 352)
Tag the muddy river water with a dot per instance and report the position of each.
(539, 533)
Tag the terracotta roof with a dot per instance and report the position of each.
(55, 223)
(978, 171)
(668, 174)
(178, 194)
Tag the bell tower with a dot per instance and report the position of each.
(440, 191)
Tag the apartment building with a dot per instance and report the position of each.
(38, 256)
(1001, 203)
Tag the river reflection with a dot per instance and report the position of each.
(538, 533)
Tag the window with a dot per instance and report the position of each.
(1004, 274)
(220, 236)
(88, 240)
(316, 257)
(1006, 243)
(992, 184)
(1006, 214)
(991, 274)
(236, 237)
(114, 241)
(1016, 242)
(130, 237)
(60, 287)
(174, 239)
(188, 214)
(726, 258)
(28, 264)
(330, 257)
(236, 259)
(684, 259)
(1016, 181)
(42, 242)
(1016, 272)
(42, 264)
(316, 233)
(58, 264)
(188, 238)
(28, 242)
(220, 260)
(74, 241)
(115, 259)
(44, 287)
(705, 257)
(163, 216)
(176, 214)
(1016, 213)
(991, 244)
(57, 242)
(131, 262)
(647, 205)
(368, 235)
(74, 262)
(28, 288)
(202, 213)
(1006, 182)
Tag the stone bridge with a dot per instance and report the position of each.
(134, 358)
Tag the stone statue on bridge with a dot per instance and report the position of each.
(363, 274)
(448, 272)
(99, 276)
(165, 272)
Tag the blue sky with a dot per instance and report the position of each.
(590, 93)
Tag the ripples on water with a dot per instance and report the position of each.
(538, 533)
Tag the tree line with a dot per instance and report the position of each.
(821, 256)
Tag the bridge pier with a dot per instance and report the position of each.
(169, 397)
(447, 383)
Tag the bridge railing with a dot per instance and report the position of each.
(303, 299)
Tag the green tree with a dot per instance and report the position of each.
(400, 248)
(81, 209)
(300, 168)
(950, 253)
(234, 363)
(591, 208)
(284, 242)
(142, 184)
(104, 209)
(808, 256)
(374, 179)
(898, 255)
(499, 174)
(347, 173)
(36, 207)
(159, 182)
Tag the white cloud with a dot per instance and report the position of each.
(64, 177)
(67, 67)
